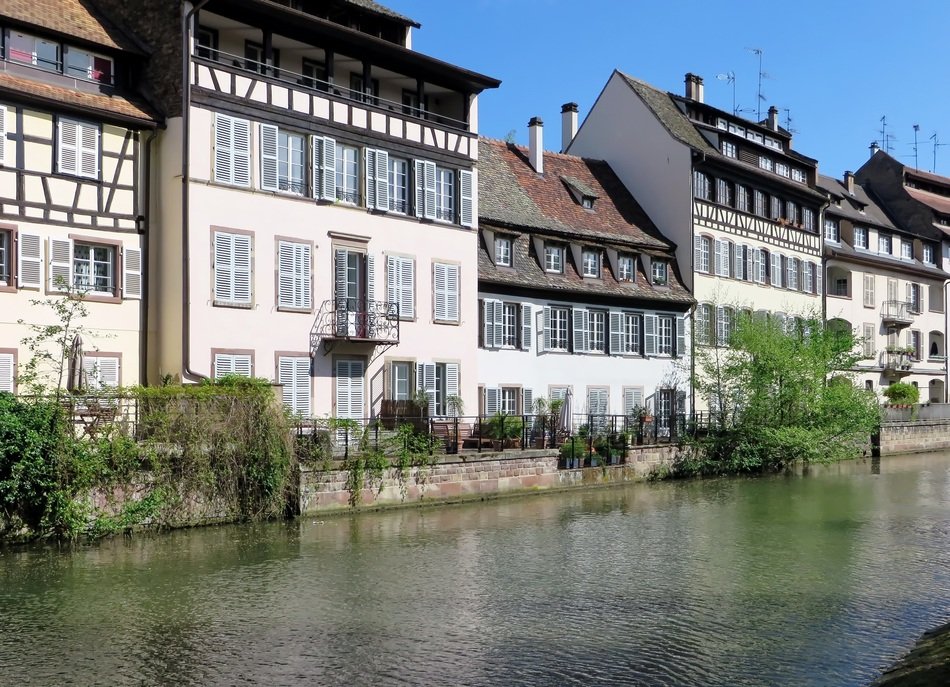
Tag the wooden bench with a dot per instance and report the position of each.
(456, 436)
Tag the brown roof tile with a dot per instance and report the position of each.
(76, 18)
(121, 106)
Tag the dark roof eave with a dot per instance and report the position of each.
(344, 39)
(685, 300)
(896, 265)
(581, 235)
(103, 114)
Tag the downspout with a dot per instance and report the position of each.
(186, 16)
(946, 362)
(692, 262)
(147, 229)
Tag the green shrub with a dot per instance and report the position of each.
(901, 393)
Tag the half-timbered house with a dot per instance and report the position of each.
(318, 209)
(73, 139)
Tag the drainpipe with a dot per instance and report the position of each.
(186, 17)
(946, 362)
(147, 229)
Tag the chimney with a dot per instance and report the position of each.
(849, 182)
(568, 124)
(773, 118)
(874, 147)
(694, 87)
(536, 144)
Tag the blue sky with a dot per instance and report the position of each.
(837, 66)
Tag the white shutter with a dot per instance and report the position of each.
(132, 273)
(88, 151)
(466, 199)
(488, 323)
(527, 401)
(286, 277)
(430, 193)
(30, 261)
(526, 326)
(60, 264)
(426, 377)
(340, 274)
(316, 166)
(680, 336)
(7, 372)
(446, 296)
(407, 306)
(242, 269)
(370, 280)
(3, 134)
(632, 398)
(579, 323)
(223, 158)
(649, 335)
(101, 372)
(749, 273)
(369, 167)
(451, 379)
(327, 168)
(268, 157)
(545, 340)
(776, 269)
(419, 177)
(392, 279)
(68, 154)
(616, 332)
(498, 329)
(492, 400)
(294, 374)
(736, 267)
(757, 274)
(382, 180)
(721, 325)
(241, 152)
(697, 253)
(818, 279)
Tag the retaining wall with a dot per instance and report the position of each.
(914, 437)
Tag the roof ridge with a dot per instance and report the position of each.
(553, 153)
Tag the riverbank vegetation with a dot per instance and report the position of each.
(778, 392)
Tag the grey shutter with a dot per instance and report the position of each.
(382, 180)
(268, 157)
(241, 152)
(492, 399)
(616, 332)
(579, 324)
(132, 273)
(466, 199)
(499, 324)
(526, 326)
(430, 193)
(30, 261)
(488, 323)
(649, 335)
(527, 401)
(369, 168)
(680, 336)
(545, 339)
(340, 273)
(327, 168)
(316, 166)
(419, 180)
(749, 273)
(370, 280)
(60, 265)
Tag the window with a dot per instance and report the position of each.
(282, 160)
(399, 185)
(791, 212)
(626, 268)
(776, 271)
(509, 325)
(101, 372)
(723, 257)
(703, 323)
(869, 291)
(400, 383)
(701, 188)
(347, 174)
(555, 330)
(867, 343)
(78, 152)
(760, 265)
(239, 364)
(928, 254)
(913, 342)
(314, 74)
(232, 269)
(665, 328)
(742, 198)
(884, 244)
(445, 194)
(659, 270)
(759, 203)
(725, 324)
(360, 92)
(400, 285)
(446, 292)
(808, 219)
(94, 269)
(597, 331)
(508, 400)
(553, 258)
(840, 287)
(781, 169)
(293, 373)
(85, 65)
(701, 257)
(776, 208)
(591, 263)
(728, 149)
(254, 59)
(206, 43)
(503, 251)
(913, 297)
(22, 47)
(798, 175)
(765, 163)
(410, 103)
(631, 340)
(6, 258)
(861, 238)
(791, 281)
(907, 250)
(723, 192)
(294, 283)
(232, 150)
(832, 234)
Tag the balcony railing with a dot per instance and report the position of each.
(896, 364)
(353, 319)
(897, 312)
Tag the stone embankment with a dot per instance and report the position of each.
(927, 664)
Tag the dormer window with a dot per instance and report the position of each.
(728, 149)
(625, 268)
(928, 254)
(86, 65)
(832, 234)
(53, 56)
(591, 263)
(861, 238)
(39, 52)
(659, 272)
(582, 194)
(503, 251)
(907, 250)
(587, 202)
(553, 258)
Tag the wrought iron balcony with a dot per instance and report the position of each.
(356, 320)
(897, 313)
(896, 365)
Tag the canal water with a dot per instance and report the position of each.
(815, 579)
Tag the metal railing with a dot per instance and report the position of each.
(356, 319)
(898, 311)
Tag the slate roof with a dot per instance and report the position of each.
(376, 8)
(75, 18)
(851, 205)
(515, 200)
(123, 107)
(932, 200)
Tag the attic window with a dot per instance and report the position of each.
(582, 194)
(587, 202)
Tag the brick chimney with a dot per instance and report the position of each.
(773, 118)
(849, 182)
(694, 87)
(536, 144)
(568, 124)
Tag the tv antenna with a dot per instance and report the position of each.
(916, 129)
(730, 77)
(788, 120)
(885, 137)
(760, 97)
(937, 144)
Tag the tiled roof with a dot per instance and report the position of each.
(929, 176)
(93, 102)
(376, 8)
(670, 116)
(873, 213)
(76, 18)
(932, 200)
(511, 193)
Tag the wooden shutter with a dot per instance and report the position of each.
(269, 138)
(451, 379)
(680, 336)
(616, 343)
(735, 270)
(407, 306)
(60, 264)
(697, 253)
(446, 296)
(242, 269)
(3, 134)
(369, 167)
(382, 180)
(102, 372)
(425, 374)
(818, 281)
(370, 279)
(776, 272)
(7, 372)
(757, 266)
(488, 323)
(316, 166)
(466, 199)
(430, 194)
(223, 134)
(132, 273)
(632, 398)
(68, 153)
(223, 267)
(241, 152)
(30, 261)
(419, 178)
(579, 323)
(749, 273)
(294, 374)
(649, 334)
(498, 330)
(492, 400)
(287, 281)
(327, 168)
(545, 340)
(339, 269)
(88, 151)
(526, 326)
(350, 397)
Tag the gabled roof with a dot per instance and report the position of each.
(73, 18)
(669, 115)
(852, 204)
(376, 8)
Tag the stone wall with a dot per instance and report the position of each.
(474, 476)
(914, 437)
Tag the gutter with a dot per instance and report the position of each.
(147, 229)
(187, 374)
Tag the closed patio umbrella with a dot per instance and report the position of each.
(565, 421)
(76, 381)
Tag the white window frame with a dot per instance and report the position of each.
(728, 149)
(400, 185)
(863, 243)
(6, 257)
(553, 258)
(660, 273)
(346, 182)
(590, 261)
(665, 335)
(559, 331)
(503, 251)
(83, 269)
(509, 325)
(626, 268)
(882, 241)
(907, 250)
(928, 253)
(445, 195)
(78, 148)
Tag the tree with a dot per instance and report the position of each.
(779, 391)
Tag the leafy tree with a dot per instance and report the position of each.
(779, 392)
(902, 393)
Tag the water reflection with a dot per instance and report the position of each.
(818, 578)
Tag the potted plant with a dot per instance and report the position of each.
(455, 405)
(539, 423)
(503, 429)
